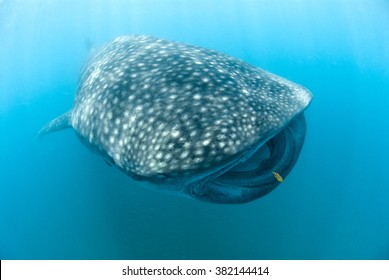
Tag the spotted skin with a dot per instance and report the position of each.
(177, 115)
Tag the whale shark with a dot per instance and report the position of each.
(188, 120)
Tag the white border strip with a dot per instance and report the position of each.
(215, 269)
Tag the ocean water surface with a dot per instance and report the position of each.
(60, 201)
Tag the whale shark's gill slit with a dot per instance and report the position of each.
(59, 123)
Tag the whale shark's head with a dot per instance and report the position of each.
(188, 119)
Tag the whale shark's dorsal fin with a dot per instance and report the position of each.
(58, 123)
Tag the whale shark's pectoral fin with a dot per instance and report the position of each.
(59, 123)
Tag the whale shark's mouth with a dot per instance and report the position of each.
(256, 176)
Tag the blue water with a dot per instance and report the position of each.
(60, 201)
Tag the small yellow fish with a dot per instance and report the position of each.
(278, 177)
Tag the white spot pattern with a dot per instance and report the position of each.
(158, 107)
